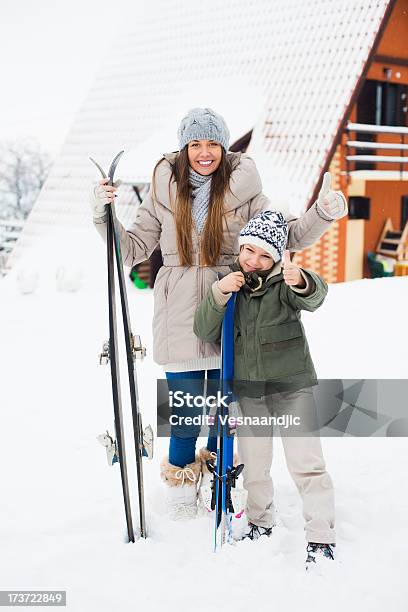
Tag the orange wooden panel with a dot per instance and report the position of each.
(327, 256)
(401, 268)
(399, 74)
(394, 39)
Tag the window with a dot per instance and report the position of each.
(380, 103)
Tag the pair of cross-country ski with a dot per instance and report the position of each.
(224, 472)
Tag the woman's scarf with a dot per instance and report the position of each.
(200, 194)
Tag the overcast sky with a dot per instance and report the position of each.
(50, 52)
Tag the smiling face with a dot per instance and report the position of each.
(253, 258)
(204, 156)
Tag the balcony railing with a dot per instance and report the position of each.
(379, 147)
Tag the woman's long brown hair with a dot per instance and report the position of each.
(211, 241)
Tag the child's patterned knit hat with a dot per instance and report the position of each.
(267, 230)
(203, 124)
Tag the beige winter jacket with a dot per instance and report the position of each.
(179, 289)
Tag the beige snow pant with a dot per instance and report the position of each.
(304, 459)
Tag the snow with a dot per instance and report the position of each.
(61, 517)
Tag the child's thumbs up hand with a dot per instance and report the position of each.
(331, 203)
(291, 273)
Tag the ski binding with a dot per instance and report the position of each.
(111, 447)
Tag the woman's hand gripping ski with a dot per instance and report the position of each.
(101, 195)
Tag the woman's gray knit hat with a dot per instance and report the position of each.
(203, 124)
(267, 230)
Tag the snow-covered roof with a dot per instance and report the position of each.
(287, 69)
(233, 97)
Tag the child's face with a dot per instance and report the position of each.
(253, 258)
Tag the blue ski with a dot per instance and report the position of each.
(224, 473)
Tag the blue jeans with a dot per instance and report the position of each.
(183, 439)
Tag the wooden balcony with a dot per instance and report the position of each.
(388, 153)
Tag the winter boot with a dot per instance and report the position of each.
(254, 532)
(181, 483)
(318, 555)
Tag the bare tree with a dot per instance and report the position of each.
(24, 166)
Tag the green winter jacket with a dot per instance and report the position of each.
(271, 350)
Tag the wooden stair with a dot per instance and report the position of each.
(393, 243)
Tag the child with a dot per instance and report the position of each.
(273, 369)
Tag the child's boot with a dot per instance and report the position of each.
(254, 532)
(318, 555)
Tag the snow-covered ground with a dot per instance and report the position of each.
(61, 514)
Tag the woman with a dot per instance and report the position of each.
(199, 199)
